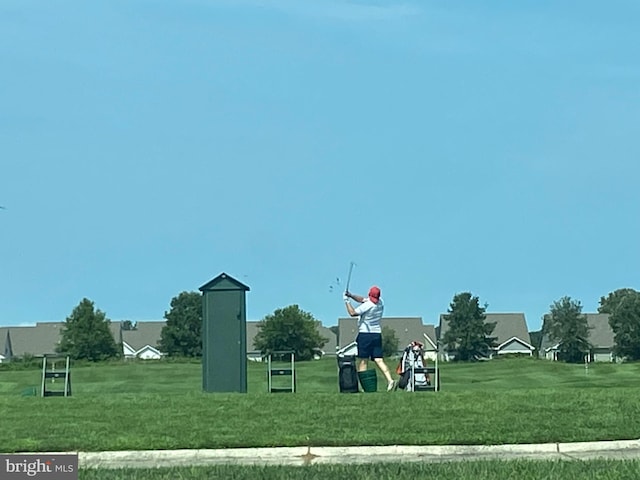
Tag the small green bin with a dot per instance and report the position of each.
(368, 380)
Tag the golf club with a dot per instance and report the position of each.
(351, 265)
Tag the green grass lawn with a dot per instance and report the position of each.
(173, 378)
(160, 405)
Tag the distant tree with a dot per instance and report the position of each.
(623, 307)
(389, 341)
(290, 328)
(182, 334)
(86, 334)
(468, 334)
(568, 327)
(128, 325)
(609, 303)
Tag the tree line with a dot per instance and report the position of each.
(87, 335)
(565, 327)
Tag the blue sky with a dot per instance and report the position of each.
(146, 147)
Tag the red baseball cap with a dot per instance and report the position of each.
(374, 294)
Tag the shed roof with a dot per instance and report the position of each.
(223, 282)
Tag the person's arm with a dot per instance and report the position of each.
(357, 298)
(350, 310)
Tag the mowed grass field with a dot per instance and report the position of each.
(160, 405)
(474, 470)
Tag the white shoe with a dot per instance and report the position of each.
(391, 385)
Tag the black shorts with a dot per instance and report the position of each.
(369, 345)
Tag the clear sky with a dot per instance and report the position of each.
(148, 146)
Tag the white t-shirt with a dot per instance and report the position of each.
(370, 316)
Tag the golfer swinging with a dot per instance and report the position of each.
(369, 339)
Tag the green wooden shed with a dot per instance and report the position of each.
(224, 335)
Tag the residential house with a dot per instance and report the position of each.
(510, 331)
(43, 338)
(330, 347)
(253, 353)
(5, 345)
(601, 338)
(37, 340)
(141, 340)
(138, 340)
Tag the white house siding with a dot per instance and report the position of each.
(149, 354)
(447, 356)
(597, 355)
(255, 356)
(602, 355)
(431, 355)
(515, 347)
(128, 351)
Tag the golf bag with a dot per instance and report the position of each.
(413, 357)
(347, 374)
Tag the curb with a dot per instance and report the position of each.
(299, 456)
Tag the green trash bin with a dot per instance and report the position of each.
(368, 380)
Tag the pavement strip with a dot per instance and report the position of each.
(300, 456)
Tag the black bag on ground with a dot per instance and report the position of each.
(404, 379)
(347, 374)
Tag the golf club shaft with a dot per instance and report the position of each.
(349, 276)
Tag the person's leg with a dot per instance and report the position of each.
(377, 357)
(363, 354)
(384, 369)
(363, 364)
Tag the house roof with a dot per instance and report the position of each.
(114, 328)
(508, 325)
(332, 341)
(407, 329)
(145, 333)
(40, 339)
(430, 331)
(252, 331)
(545, 343)
(5, 342)
(600, 332)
